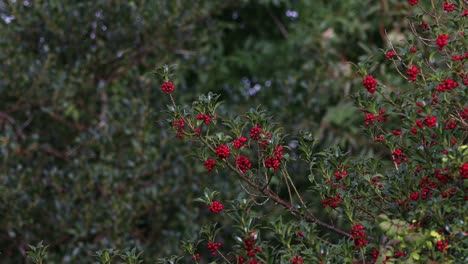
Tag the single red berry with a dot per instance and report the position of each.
(413, 2)
(396, 132)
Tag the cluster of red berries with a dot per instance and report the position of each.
(450, 125)
(359, 235)
(240, 142)
(424, 25)
(399, 156)
(213, 246)
(442, 246)
(275, 160)
(196, 257)
(447, 85)
(375, 181)
(332, 202)
(430, 121)
(463, 170)
(222, 151)
(216, 207)
(442, 41)
(413, 2)
(297, 260)
(390, 54)
(399, 254)
(370, 117)
(243, 163)
(369, 83)
(412, 73)
(456, 57)
(340, 175)
(209, 164)
(179, 127)
(449, 7)
(167, 87)
(256, 132)
(206, 118)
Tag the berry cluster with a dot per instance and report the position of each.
(216, 207)
(442, 41)
(456, 57)
(239, 143)
(369, 83)
(179, 127)
(209, 164)
(332, 202)
(370, 117)
(256, 132)
(213, 247)
(412, 73)
(297, 260)
(447, 85)
(449, 7)
(390, 54)
(463, 170)
(275, 160)
(442, 246)
(340, 175)
(243, 163)
(167, 87)
(399, 156)
(413, 2)
(430, 121)
(196, 257)
(359, 235)
(424, 25)
(206, 118)
(222, 151)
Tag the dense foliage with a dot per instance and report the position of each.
(84, 165)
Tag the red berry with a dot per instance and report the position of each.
(413, 2)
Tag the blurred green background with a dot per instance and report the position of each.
(87, 161)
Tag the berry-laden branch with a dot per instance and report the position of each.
(223, 152)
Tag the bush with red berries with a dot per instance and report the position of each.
(407, 206)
